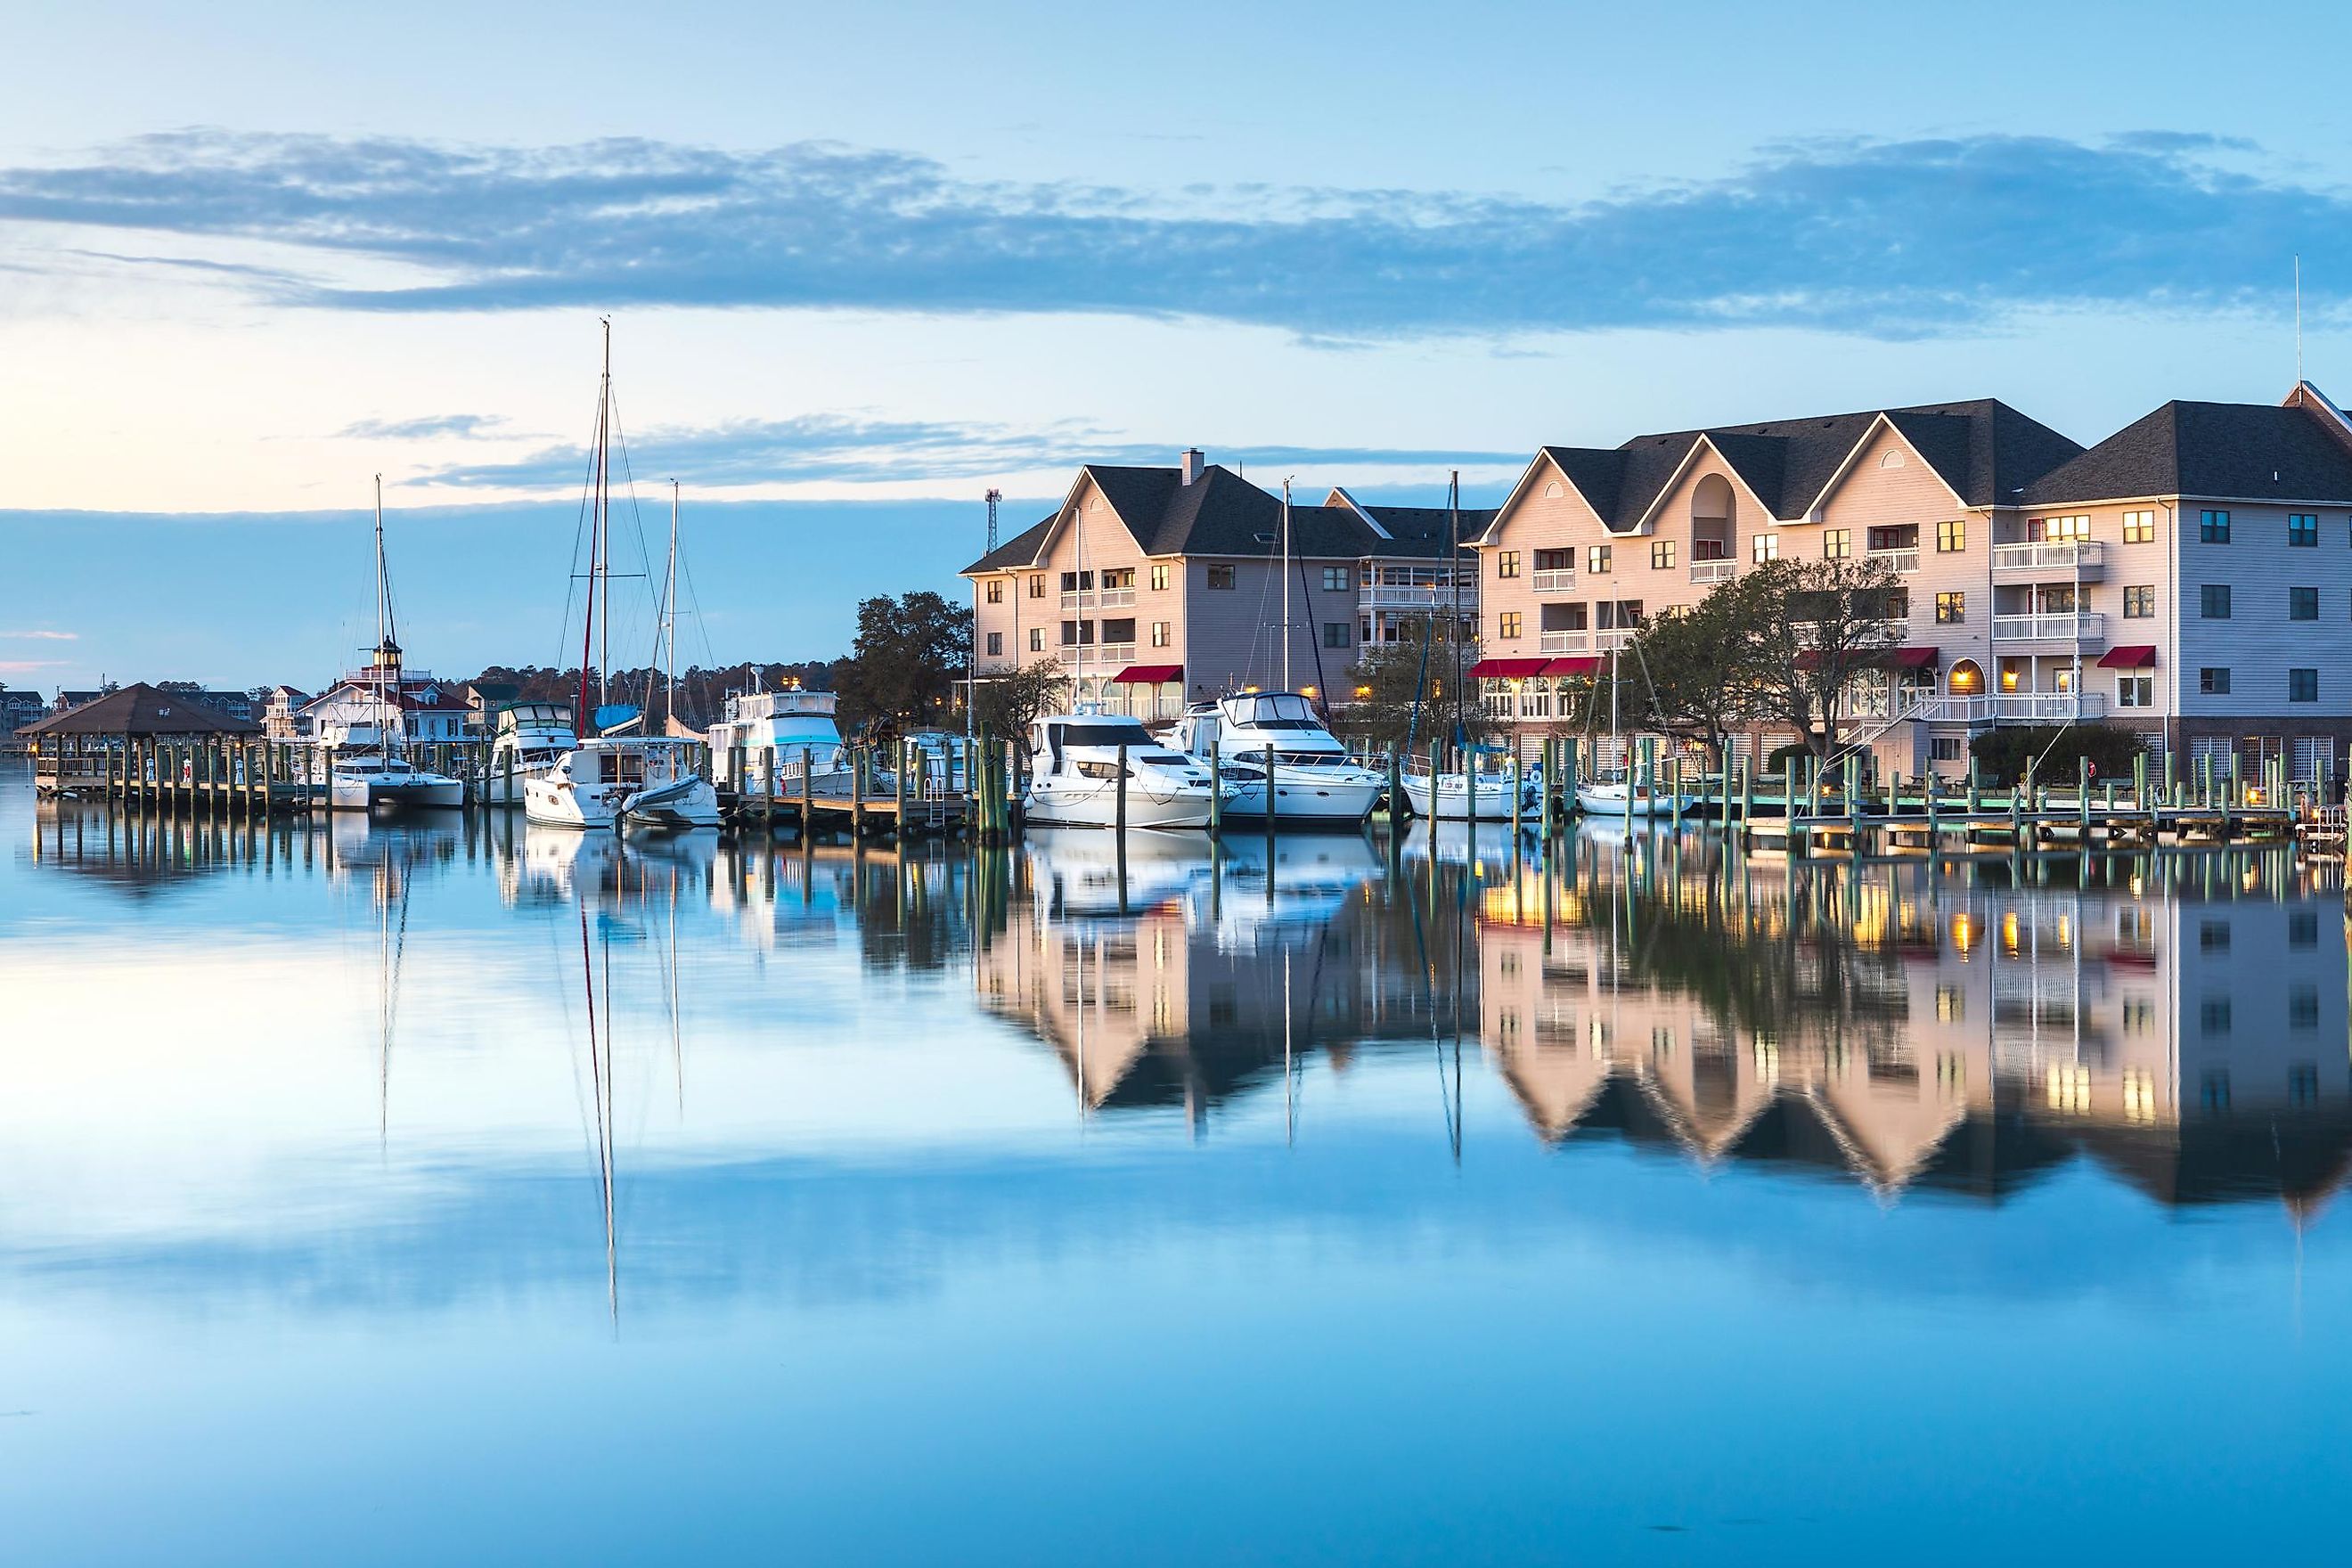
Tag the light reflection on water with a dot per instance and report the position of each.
(460, 1192)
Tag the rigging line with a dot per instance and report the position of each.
(1314, 643)
(636, 516)
(579, 533)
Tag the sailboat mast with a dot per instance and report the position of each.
(1285, 584)
(669, 696)
(382, 741)
(604, 517)
(1453, 575)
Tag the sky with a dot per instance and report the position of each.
(865, 263)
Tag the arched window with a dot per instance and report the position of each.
(1965, 680)
(1711, 519)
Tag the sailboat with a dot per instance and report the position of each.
(1492, 782)
(1616, 792)
(377, 774)
(618, 779)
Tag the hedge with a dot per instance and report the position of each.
(2000, 755)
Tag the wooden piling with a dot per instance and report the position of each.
(1269, 813)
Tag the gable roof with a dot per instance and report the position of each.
(141, 709)
(1983, 449)
(2230, 452)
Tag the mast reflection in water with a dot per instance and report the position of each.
(870, 1205)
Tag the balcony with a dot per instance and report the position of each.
(1906, 560)
(1424, 597)
(1714, 571)
(1116, 598)
(1561, 581)
(2085, 558)
(1078, 600)
(1564, 642)
(2082, 626)
(1603, 642)
(2014, 708)
(1115, 652)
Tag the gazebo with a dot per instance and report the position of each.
(138, 737)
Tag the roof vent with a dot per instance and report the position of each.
(1191, 464)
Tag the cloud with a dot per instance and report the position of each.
(28, 666)
(1890, 238)
(41, 636)
(827, 446)
(464, 426)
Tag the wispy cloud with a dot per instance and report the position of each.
(463, 426)
(825, 446)
(41, 636)
(1890, 238)
(28, 666)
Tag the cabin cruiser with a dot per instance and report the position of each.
(1315, 783)
(386, 781)
(1074, 775)
(798, 727)
(620, 782)
(530, 737)
(1482, 792)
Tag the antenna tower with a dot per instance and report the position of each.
(994, 497)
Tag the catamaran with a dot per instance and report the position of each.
(1074, 775)
(371, 771)
(617, 779)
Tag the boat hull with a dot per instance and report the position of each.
(378, 794)
(1305, 803)
(1449, 798)
(1616, 800)
(1057, 805)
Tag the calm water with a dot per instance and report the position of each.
(438, 1195)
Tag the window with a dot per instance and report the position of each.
(1951, 1004)
(1036, 584)
(2213, 1017)
(1951, 609)
(2139, 527)
(2213, 527)
(1336, 635)
(1120, 577)
(1160, 578)
(2302, 686)
(1764, 547)
(2303, 529)
(1600, 558)
(2057, 530)
(2302, 929)
(1076, 582)
(1036, 639)
(1944, 748)
(2135, 689)
(1952, 537)
(996, 641)
(2213, 682)
(1837, 543)
(1077, 634)
(1221, 576)
(1662, 554)
(1506, 563)
(1509, 625)
(1334, 580)
(1160, 634)
(2139, 603)
(2303, 603)
(996, 590)
(2213, 600)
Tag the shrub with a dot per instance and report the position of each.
(1776, 764)
(2000, 755)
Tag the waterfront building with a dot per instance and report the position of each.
(1153, 587)
(282, 717)
(2189, 576)
(420, 709)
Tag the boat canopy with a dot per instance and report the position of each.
(1271, 710)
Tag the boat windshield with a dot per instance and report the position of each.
(1272, 710)
(1106, 732)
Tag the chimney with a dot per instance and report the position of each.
(1192, 464)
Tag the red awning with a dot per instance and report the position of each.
(1587, 666)
(2137, 656)
(1916, 658)
(1507, 668)
(1808, 658)
(1148, 673)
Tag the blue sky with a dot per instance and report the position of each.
(865, 262)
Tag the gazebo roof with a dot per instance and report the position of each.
(141, 709)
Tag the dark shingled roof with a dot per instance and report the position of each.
(1221, 513)
(1984, 449)
(1420, 531)
(141, 709)
(2231, 451)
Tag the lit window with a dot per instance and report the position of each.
(1599, 557)
(1506, 563)
(1765, 547)
(1160, 634)
(996, 590)
(2139, 603)
(1038, 584)
(1662, 554)
(1837, 543)
(1952, 537)
(2139, 527)
(1509, 625)
(1160, 577)
(1951, 609)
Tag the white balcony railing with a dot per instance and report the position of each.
(1078, 600)
(1561, 580)
(2014, 708)
(1564, 642)
(1898, 559)
(1115, 652)
(2054, 556)
(1416, 597)
(1603, 641)
(2082, 625)
(1114, 598)
(1714, 571)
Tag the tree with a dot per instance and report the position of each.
(1007, 704)
(1821, 627)
(1700, 673)
(907, 661)
(1406, 693)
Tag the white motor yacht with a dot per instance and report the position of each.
(616, 782)
(383, 780)
(799, 727)
(1074, 775)
(1314, 782)
(530, 738)
(1484, 792)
